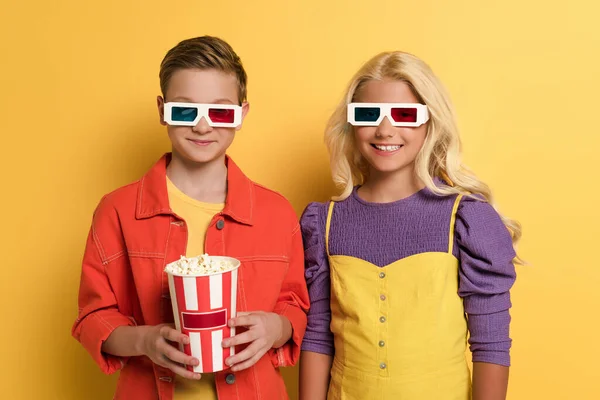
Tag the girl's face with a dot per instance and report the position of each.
(387, 148)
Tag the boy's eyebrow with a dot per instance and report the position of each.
(223, 101)
(184, 99)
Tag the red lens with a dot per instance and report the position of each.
(221, 115)
(404, 114)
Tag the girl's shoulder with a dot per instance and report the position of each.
(313, 218)
(315, 213)
(475, 208)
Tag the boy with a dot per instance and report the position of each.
(193, 200)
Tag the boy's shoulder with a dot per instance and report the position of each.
(122, 195)
(119, 201)
(272, 202)
(112, 216)
(268, 194)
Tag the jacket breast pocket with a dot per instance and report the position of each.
(260, 282)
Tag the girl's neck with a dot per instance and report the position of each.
(387, 187)
(206, 182)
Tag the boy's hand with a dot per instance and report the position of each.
(154, 344)
(265, 331)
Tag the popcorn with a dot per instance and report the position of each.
(199, 265)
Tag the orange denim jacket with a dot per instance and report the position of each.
(134, 234)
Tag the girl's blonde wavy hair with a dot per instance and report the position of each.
(440, 156)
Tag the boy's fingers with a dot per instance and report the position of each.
(245, 354)
(183, 372)
(240, 313)
(250, 362)
(174, 335)
(242, 320)
(242, 338)
(177, 356)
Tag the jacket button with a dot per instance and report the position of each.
(382, 275)
(230, 379)
(220, 224)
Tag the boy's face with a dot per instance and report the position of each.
(201, 143)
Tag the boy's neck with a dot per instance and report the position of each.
(390, 186)
(206, 182)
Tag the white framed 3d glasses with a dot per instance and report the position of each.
(399, 114)
(189, 114)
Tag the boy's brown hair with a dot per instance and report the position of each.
(204, 52)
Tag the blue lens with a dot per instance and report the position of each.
(184, 114)
(366, 114)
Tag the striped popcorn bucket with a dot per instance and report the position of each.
(202, 305)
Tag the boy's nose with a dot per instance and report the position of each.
(202, 127)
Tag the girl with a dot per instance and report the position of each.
(410, 257)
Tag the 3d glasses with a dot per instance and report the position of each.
(189, 114)
(399, 114)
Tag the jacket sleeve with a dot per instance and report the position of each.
(99, 313)
(293, 303)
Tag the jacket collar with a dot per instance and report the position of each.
(153, 198)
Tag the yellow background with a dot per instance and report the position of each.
(79, 81)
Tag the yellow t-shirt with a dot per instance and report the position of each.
(197, 216)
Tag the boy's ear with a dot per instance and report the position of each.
(245, 109)
(160, 103)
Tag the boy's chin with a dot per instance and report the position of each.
(200, 156)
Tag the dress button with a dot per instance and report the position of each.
(382, 275)
(382, 297)
(230, 379)
(382, 366)
(381, 319)
(220, 224)
(381, 343)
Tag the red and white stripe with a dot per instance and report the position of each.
(201, 306)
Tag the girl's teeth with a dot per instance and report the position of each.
(387, 148)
